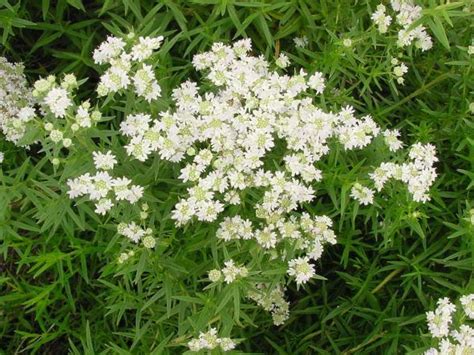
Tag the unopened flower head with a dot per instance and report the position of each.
(149, 242)
(215, 275)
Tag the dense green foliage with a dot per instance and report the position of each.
(60, 286)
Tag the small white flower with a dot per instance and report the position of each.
(131, 231)
(391, 139)
(210, 341)
(440, 320)
(145, 47)
(400, 70)
(58, 101)
(101, 185)
(301, 269)
(317, 82)
(226, 344)
(362, 194)
(266, 238)
(109, 49)
(16, 101)
(232, 271)
(283, 61)
(146, 84)
(134, 194)
(103, 161)
(381, 19)
(301, 42)
(103, 206)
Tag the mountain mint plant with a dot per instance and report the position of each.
(212, 189)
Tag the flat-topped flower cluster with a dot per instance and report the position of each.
(226, 137)
(251, 135)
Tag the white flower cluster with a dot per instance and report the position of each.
(62, 118)
(16, 101)
(405, 13)
(381, 19)
(272, 300)
(210, 341)
(391, 139)
(102, 187)
(226, 135)
(305, 234)
(144, 138)
(467, 303)
(127, 67)
(363, 194)
(301, 42)
(440, 320)
(301, 269)
(458, 341)
(239, 125)
(399, 70)
(136, 233)
(230, 272)
(419, 173)
(282, 61)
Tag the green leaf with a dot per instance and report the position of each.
(77, 4)
(437, 27)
